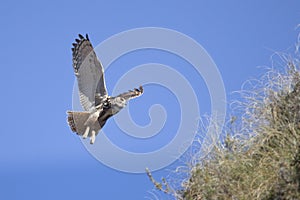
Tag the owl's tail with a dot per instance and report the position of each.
(76, 121)
(71, 121)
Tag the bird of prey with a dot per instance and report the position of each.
(97, 104)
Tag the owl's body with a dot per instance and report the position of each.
(98, 106)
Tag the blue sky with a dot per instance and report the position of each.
(39, 156)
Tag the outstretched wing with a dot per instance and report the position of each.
(132, 93)
(89, 73)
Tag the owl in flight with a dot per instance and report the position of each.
(98, 106)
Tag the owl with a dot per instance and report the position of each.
(97, 104)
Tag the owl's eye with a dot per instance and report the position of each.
(105, 104)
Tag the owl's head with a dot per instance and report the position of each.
(117, 103)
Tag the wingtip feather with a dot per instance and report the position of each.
(80, 36)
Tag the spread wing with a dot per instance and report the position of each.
(89, 73)
(132, 93)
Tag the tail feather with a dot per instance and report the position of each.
(71, 121)
(76, 121)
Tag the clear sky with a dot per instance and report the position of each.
(40, 158)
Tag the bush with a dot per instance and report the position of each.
(259, 160)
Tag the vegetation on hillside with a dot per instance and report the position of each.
(260, 156)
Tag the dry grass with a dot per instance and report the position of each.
(260, 157)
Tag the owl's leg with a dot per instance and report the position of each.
(93, 137)
(86, 132)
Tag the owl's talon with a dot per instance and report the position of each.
(86, 133)
(93, 137)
